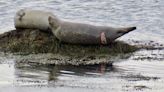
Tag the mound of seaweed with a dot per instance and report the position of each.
(34, 41)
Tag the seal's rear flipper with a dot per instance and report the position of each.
(131, 29)
(126, 30)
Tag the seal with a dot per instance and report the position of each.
(33, 19)
(80, 33)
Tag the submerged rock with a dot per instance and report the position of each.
(34, 41)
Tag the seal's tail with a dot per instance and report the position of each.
(126, 30)
(131, 29)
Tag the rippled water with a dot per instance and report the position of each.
(143, 71)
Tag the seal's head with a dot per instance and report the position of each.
(20, 14)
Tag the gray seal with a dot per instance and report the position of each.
(79, 33)
(33, 19)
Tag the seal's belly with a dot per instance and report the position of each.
(77, 33)
(79, 37)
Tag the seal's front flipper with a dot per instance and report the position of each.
(103, 39)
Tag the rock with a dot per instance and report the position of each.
(34, 41)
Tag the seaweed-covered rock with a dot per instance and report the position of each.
(34, 41)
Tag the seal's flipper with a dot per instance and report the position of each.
(54, 22)
(126, 30)
(103, 39)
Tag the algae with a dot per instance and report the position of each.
(34, 41)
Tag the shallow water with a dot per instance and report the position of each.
(142, 72)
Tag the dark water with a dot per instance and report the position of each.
(142, 72)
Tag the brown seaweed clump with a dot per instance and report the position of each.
(34, 41)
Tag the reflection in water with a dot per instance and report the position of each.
(31, 74)
(34, 73)
(142, 72)
(129, 74)
(59, 75)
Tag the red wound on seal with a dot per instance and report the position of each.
(103, 38)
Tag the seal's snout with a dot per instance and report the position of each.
(20, 14)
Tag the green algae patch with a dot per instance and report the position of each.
(34, 41)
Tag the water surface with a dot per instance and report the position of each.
(142, 72)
